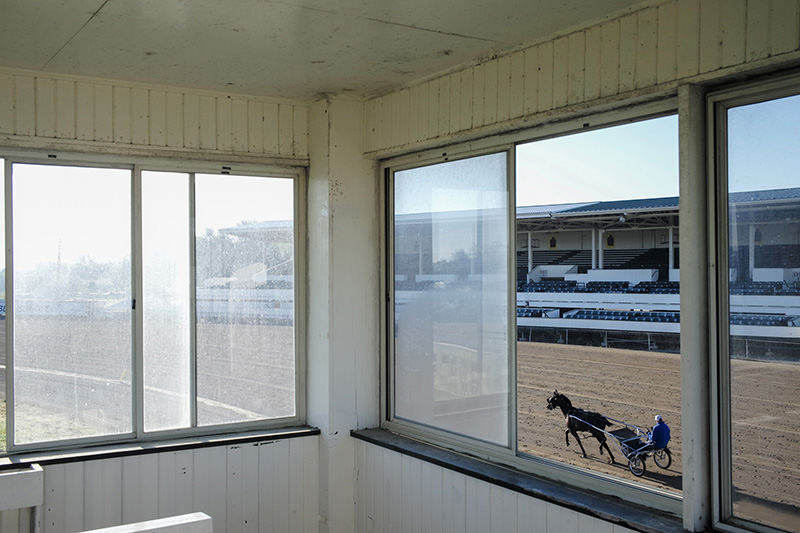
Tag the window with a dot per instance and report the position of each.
(148, 303)
(759, 305)
(595, 309)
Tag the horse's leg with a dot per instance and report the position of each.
(577, 438)
(604, 444)
(566, 436)
(610, 456)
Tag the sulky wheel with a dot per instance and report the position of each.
(663, 458)
(636, 465)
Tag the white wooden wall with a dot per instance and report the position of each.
(673, 41)
(270, 486)
(396, 493)
(47, 106)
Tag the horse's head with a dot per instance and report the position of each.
(558, 400)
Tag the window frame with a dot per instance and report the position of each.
(506, 456)
(137, 165)
(718, 103)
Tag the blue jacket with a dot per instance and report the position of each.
(660, 435)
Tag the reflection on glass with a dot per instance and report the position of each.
(598, 293)
(451, 294)
(72, 302)
(166, 299)
(245, 298)
(764, 261)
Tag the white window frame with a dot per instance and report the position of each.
(509, 456)
(718, 104)
(136, 166)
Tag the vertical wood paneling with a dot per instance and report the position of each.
(54, 498)
(503, 87)
(102, 506)
(411, 504)
(532, 80)
(560, 72)
(531, 515)
(732, 32)
(224, 121)
(6, 103)
(266, 504)
(139, 488)
(65, 109)
(239, 124)
(758, 12)
(454, 502)
(396, 109)
(234, 495)
(576, 76)
(588, 524)
(609, 58)
(455, 102)
(561, 518)
(285, 129)
(184, 472)
(208, 123)
(667, 42)
(166, 484)
(591, 80)
(688, 37)
(710, 48)
(255, 127)
(300, 136)
(201, 481)
(191, 121)
(647, 55)
(371, 113)
(465, 106)
(121, 114)
(422, 112)
(84, 111)
(384, 120)
(24, 105)
(444, 106)
(490, 92)
(784, 26)
(140, 121)
(250, 487)
(433, 108)
(478, 506)
(271, 128)
(174, 119)
(392, 475)
(311, 484)
(74, 497)
(217, 500)
(9, 521)
(628, 48)
(280, 486)
(45, 107)
(414, 102)
(158, 118)
(295, 485)
(516, 99)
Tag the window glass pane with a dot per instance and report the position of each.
(166, 299)
(72, 302)
(2, 307)
(245, 298)
(451, 296)
(598, 297)
(764, 342)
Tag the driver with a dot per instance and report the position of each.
(659, 435)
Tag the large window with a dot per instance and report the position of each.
(566, 280)
(147, 303)
(759, 296)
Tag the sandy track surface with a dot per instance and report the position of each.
(635, 385)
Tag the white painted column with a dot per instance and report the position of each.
(752, 251)
(530, 254)
(343, 301)
(594, 248)
(693, 227)
(600, 246)
(671, 251)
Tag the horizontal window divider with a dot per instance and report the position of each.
(112, 451)
(608, 508)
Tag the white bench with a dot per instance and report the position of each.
(186, 523)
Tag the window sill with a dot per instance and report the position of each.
(604, 507)
(143, 448)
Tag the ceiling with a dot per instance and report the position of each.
(299, 49)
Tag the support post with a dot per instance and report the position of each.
(600, 246)
(594, 248)
(671, 252)
(751, 259)
(694, 304)
(530, 255)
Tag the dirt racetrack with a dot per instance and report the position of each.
(634, 385)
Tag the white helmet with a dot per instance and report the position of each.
(658, 418)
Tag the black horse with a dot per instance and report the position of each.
(586, 418)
